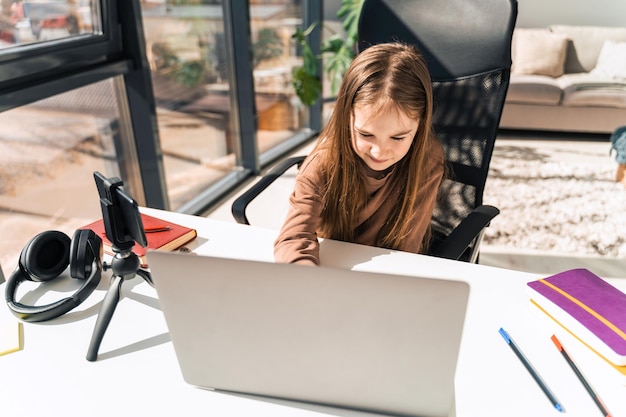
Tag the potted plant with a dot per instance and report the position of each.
(337, 53)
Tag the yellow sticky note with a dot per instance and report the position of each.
(11, 336)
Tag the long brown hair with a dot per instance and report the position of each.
(384, 75)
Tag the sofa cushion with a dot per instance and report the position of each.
(534, 89)
(612, 61)
(588, 89)
(585, 44)
(538, 52)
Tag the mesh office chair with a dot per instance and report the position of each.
(467, 45)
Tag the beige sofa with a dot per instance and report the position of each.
(567, 78)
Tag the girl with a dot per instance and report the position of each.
(373, 176)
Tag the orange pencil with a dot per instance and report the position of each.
(580, 376)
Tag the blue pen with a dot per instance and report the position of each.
(531, 370)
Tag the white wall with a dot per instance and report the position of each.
(540, 13)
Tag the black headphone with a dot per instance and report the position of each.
(44, 258)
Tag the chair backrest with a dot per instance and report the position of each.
(467, 46)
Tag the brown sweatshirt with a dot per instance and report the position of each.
(297, 241)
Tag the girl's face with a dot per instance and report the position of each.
(382, 138)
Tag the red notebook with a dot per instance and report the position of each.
(160, 234)
(588, 307)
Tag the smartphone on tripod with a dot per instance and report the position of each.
(120, 213)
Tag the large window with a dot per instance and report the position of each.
(203, 111)
(183, 100)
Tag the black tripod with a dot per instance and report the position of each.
(125, 265)
(123, 227)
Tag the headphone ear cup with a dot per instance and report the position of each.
(45, 256)
(84, 250)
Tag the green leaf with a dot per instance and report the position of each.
(333, 44)
(308, 87)
(350, 11)
(336, 66)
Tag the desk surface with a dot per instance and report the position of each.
(137, 372)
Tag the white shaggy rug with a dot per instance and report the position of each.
(558, 197)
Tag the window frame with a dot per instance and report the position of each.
(79, 59)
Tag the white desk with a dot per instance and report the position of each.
(137, 372)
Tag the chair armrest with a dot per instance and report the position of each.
(239, 206)
(455, 244)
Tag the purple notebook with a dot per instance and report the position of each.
(592, 302)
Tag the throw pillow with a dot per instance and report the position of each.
(612, 60)
(539, 52)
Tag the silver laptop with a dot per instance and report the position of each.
(356, 340)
